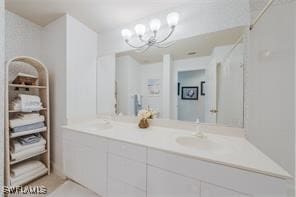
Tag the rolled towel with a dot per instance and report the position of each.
(30, 103)
(16, 105)
(29, 98)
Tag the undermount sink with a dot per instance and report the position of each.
(98, 126)
(203, 144)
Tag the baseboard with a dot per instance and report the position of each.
(57, 170)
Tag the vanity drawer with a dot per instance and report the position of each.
(85, 139)
(128, 171)
(118, 188)
(131, 151)
(242, 181)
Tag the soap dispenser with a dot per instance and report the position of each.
(199, 132)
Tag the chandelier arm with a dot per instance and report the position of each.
(143, 50)
(142, 40)
(136, 47)
(167, 37)
(165, 45)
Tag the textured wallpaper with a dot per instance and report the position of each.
(22, 37)
(1, 93)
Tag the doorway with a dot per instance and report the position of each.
(191, 103)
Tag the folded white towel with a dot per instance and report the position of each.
(28, 115)
(22, 133)
(16, 146)
(24, 167)
(28, 176)
(26, 153)
(17, 122)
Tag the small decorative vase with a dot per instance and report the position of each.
(143, 124)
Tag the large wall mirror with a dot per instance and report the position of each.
(198, 79)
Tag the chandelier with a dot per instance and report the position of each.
(151, 39)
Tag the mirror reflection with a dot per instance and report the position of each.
(199, 79)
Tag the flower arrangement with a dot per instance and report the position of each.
(144, 115)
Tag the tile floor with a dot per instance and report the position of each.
(72, 189)
(51, 182)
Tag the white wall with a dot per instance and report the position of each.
(167, 64)
(190, 110)
(54, 56)
(22, 37)
(151, 71)
(271, 98)
(230, 87)
(132, 78)
(81, 71)
(2, 71)
(69, 52)
(295, 95)
(106, 77)
(127, 77)
(183, 65)
(196, 18)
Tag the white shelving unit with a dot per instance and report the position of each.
(31, 66)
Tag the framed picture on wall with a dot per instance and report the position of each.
(190, 93)
(202, 88)
(153, 87)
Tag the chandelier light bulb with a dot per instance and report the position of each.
(126, 34)
(150, 39)
(155, 25)
(173, 19)
(140, 29)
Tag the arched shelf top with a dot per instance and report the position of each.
(38, 65)
(35, 64)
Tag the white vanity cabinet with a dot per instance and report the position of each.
(208, 190)
(126, 170)
(85, 160)
(161, 183)
(119, 169)
(215, 180)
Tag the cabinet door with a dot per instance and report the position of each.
(86, 165)
(120, 189)
(208, 190)
(166, 184)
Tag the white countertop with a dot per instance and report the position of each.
(231, 151)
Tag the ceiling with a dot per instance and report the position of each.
(203, 45)
(99, 15)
